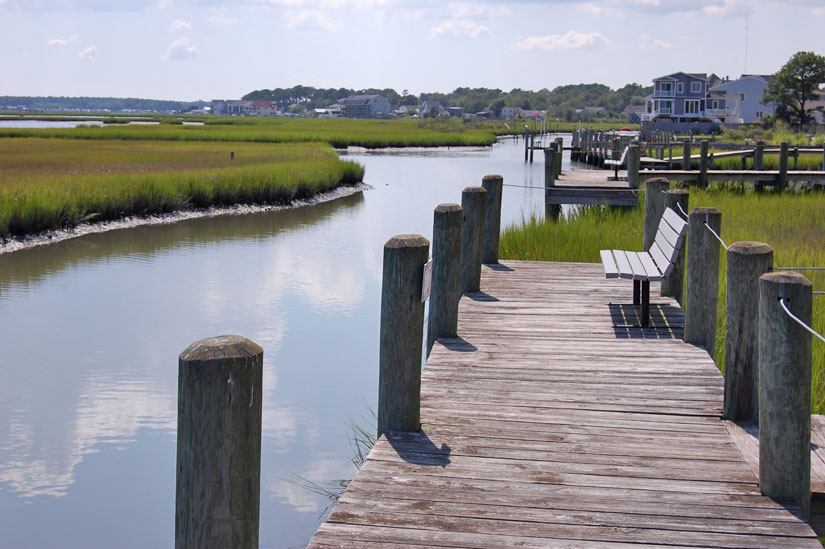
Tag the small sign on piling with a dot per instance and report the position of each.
(427, 281)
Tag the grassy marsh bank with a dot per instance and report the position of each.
(56, 183)
(793, 225)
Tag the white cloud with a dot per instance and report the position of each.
(459, 28)
(569, 41)
(221, 19)
(179, 25)
(180, 49)
(312, 20)
(647, 43)
(88, 54)
(462, 10)
(63, 41)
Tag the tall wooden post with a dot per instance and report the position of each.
(474, 203)
(402, 334)
(218, 495)
(785, 388)
(702, 278)
(526, 145)
(551, 211)
(493, 184)
(703, 164)
(795, 154)
(758, 155)
(633, 166)
(746, 262)
(445, 292)
(670, 158)
(782, 179)
(673, 284)
(559, 155)
(532, 145)
(686, 155)
(654, 208)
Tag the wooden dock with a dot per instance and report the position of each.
(592, 187)
(545, 426)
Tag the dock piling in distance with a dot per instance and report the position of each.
(633, 164)
(493, 184)
(402, 334)
(782, 178)
(746, 262)
(445, 292)
(474, 203)
(785, 388)
(758, 155)
(703, 164)
(218, 485)
(551, 211)
(672, 284)
(702, 288)
(686, 155)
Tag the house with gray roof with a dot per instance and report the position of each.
(366, 106)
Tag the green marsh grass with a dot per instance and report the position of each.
(792, 223)
(50, 184)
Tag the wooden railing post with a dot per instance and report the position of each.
(746, 262)
(785, 388)
(782, 178)
(703, 164)
(702, 278)
(493, 184)
(474, 203)
(633, 166)
(758, 155)
(445, 292)
(686, 155)
(654, 208)
(559, 155)
(551, 211)
(673, 284)
(402, 332)
(218, 487)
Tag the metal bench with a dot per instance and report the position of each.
(617, 163)
(654, 264)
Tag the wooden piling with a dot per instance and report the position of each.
(445, 291)
(758, 155)
(633, 166)
(746, 262)
(785, 388)
(559, 155)
(702, 292)
(673, 284)
(551, 211)
(654, 208)
(402, 332)
(474, 203)
(493, 184)
(703, 164)
(532, 145)
(686, 155)
(782, 178)
(218, 492)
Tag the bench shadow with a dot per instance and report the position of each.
(418, 449)
(480, 296)
(666, 321)
(499, 267)
(457, 344)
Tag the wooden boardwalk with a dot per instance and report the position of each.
(545, 426)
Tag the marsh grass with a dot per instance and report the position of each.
(52, 184)
(792, 223)
(339, 132)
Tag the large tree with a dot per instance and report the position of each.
(794, 85)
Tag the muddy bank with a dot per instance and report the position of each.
(49, 237)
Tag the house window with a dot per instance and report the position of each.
(715, 104)
(695, 87)
(759, 114)
(680, 88)
(692, 106)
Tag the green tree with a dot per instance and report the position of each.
(793, 86)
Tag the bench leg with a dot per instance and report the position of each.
(636, 292)
(645, 303)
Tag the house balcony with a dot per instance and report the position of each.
(664, 93)
(653, 115)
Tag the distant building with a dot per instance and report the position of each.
(511, 112)
(591, 110)
(455, 111)
(366, 106)
(264, 108)
(432, 108)
(740, 100)
(634, 113)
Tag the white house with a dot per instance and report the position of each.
(740, 100)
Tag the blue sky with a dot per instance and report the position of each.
(208, 49)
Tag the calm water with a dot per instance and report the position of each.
(90, 331)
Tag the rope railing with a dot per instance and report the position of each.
(682, 210)
(790, 314)
(714, 233)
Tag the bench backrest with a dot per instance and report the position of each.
(670, 237)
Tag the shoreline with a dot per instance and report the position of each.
(25, 242)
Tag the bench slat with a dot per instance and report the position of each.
(649, 266)
(661, 261)
(667, 249)
(623, 264)
(639, 272)
(672, 236)
(676, 221)
(609, 264)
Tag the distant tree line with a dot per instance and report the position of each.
(98, 104)
(561, 102)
